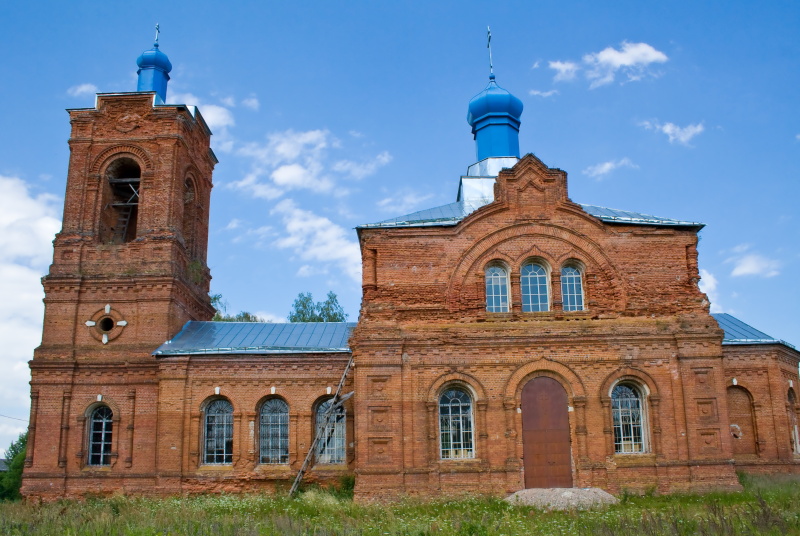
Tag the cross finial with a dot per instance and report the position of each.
(157, 32)
(489, 46)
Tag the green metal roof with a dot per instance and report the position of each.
(453, 213)
(737, 332)
(258, 338)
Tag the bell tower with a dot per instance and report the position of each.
(129, 270)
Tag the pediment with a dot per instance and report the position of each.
(532, 188)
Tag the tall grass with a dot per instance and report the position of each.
(766, 506)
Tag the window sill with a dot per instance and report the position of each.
(215, 468)
(633, 459)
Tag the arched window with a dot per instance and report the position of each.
(627, 411)
(496, 289)
(218, 448)
(455, 425)
(120, 213)
(794, 434)
(273, 432)
(101, 427)
(571, 289)
(189, 217)
(533, 279)
(332, 431)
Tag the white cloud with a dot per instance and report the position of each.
(218, 118)
(318, 240)
(545, 94)
(288, 160)
(82, 89)
(297, 176)
(535, 65)
(797, 137)
(270, 317)
(402, 203)
(755, 264)
(251, 102)
(565, 70)
(363, 169)
(602, 169)
(682, 135)
(228, 101)
(28, 223)
(235, 223)
(708, 285)
(632, 60)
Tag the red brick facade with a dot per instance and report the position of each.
(114, 295)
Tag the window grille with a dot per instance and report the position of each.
(100, 431)
(533, 279)
(626, 410)
(218, 433)
(496, 289)
(455, 425)
(331, 445)
(273, 432)
(571, 289)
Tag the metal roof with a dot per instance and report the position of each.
(453, 213)
(258, 338)
(737, 332)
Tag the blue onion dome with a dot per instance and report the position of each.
(494, 101)
(494, 117)
(154, 59)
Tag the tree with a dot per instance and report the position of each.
(305, 310)
(221, 306)
(11, 481)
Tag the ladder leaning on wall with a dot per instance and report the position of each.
(324, 432)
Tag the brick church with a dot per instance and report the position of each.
(508, 340)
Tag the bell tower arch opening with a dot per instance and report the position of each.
(120, 212)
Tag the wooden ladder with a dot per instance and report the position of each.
(336, 402)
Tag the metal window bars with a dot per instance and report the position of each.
(328, 427)
(100, 434)
(626, 410)
(455, 425)
(218, 433)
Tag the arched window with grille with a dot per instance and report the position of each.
(273, 432)
(572, 288)
(627, 412)
(533, 281)
(101, 428)
(496, 289)
(218, 432)
(332, 433)
(455, 425)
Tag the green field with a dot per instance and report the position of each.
(766, 506)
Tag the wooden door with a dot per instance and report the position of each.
(547, 453)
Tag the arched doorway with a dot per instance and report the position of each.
(547, 454)
(743, 428)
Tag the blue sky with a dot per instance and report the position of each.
(328, 114)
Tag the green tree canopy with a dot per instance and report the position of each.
(221, 306)
(305, 310)
(11, 481)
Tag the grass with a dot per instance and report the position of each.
(766, 506)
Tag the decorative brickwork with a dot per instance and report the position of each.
(129, 270)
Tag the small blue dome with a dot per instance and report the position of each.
(154, 68)
(494, 115)
(154, 58)
(493, 100)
